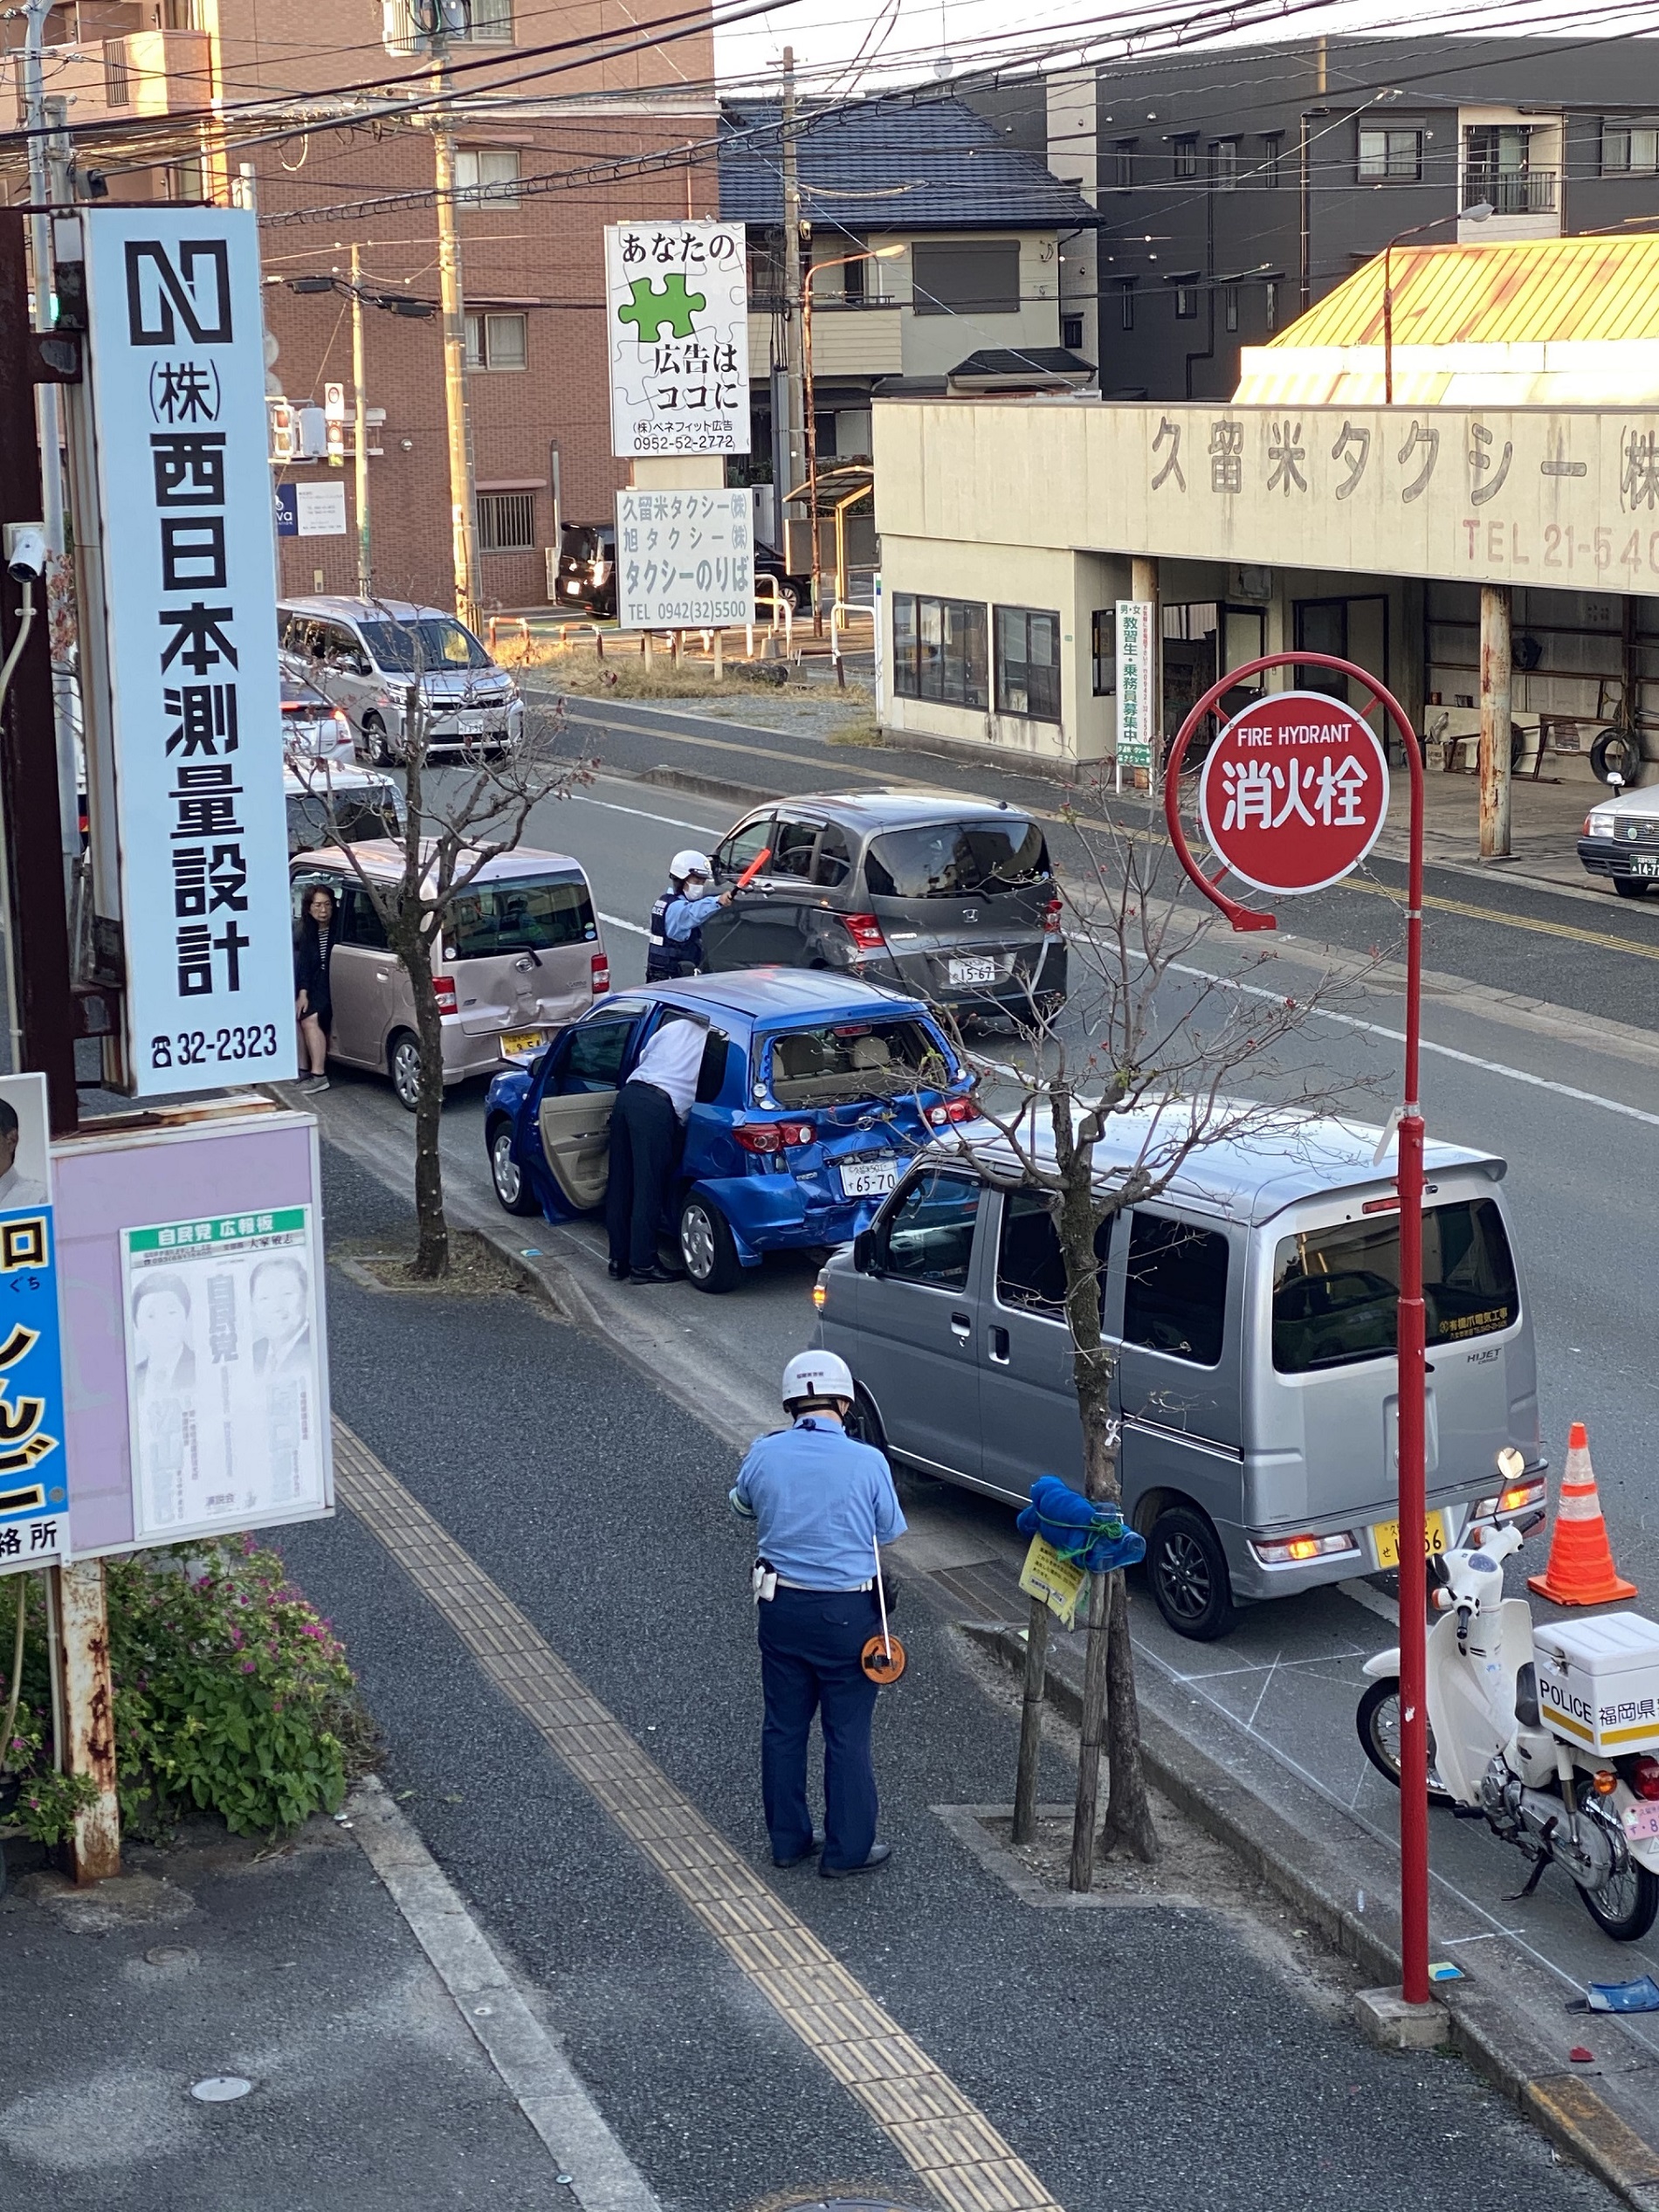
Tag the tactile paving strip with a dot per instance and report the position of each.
(945, 2139)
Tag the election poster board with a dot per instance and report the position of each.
(685, 560)
(677, 309)
(176, 363)
(34, 1518)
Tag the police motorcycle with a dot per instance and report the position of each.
(1550, 1735)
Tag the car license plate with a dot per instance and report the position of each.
(1645, 864)
(1386, 1536)
(1642, 1824)
(977, 970)
(519, 1041)
(872, 1177)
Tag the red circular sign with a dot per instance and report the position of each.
(1294, 792)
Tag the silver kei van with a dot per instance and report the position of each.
(1252, 1309)
(521, 956)
(365, 654)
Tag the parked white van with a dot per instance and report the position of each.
(366, 653)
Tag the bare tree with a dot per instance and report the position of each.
(457, 818)
(1160, 1046)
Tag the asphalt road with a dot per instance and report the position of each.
(1571, 1105)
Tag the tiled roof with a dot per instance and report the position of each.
(911, 164)
(1530, 291)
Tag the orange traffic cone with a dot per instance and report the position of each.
(1581, 1571)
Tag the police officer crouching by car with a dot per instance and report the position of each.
(676, 935)
(822, 1503)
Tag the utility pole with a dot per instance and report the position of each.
(457, 416)
(794, 305)
(360, 425)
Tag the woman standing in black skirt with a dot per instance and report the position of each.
(313, 1009)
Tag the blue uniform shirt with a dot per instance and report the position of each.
(823, 1503)
(683, 915)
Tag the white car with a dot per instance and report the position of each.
(1620, 840)
(367, 654)
(337, 803)
(313, 728)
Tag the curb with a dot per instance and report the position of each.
(1566, 2106)
(705, 787)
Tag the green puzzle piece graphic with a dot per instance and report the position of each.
(657, 305)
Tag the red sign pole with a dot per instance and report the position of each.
(1408, 1182)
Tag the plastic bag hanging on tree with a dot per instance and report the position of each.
(1091, 1533)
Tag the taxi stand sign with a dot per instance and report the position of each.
(34, 1504)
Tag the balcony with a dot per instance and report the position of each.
(147, 72)
(846, 342)
(1511, 191)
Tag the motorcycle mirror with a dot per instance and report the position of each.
(1511, 1465)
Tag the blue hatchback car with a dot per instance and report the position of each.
(814, 1091)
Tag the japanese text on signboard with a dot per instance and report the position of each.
(685, 560)
(176, 354)
(677, 317)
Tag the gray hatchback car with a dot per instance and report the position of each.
(948, 898)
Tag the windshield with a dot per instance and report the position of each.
(434, 643)
(846, 1061)
(956, 860)
(1336, 1291)
(520, 917)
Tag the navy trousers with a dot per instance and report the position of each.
(646, 1139)
(810, 1640)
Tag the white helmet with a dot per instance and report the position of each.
(689, 862)
(816, 1375)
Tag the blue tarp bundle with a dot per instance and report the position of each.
(1091, 1536)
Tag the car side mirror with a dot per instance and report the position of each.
(864, 1252)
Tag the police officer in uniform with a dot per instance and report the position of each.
(676, 935)
(822, 1503)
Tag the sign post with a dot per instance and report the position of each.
(1292, 796)
(1137, 691)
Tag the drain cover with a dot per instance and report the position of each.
(220, 2089)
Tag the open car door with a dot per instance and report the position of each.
(573, 1118)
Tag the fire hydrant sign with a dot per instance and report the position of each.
(176, 368)
(677, 311)
(1294, 792)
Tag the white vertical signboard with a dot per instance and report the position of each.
(676, 320)
(176, 366)
(1137, 693)
(685, 560)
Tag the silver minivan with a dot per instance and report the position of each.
(521, 956)
(1252, 1309)
(365, 654)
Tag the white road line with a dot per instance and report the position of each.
(642, 813)
(615, 922)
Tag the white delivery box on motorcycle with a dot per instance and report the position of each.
(1598, 1682)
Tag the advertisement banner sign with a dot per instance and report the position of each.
(1294, 792)
(226, 1407)
(677, 321)
(175, 361)
(685, 560)
(34, 1518)
(1137, 693)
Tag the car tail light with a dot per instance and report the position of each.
(1644, 1777)
(601, 974)
(773, 1136)
(1052, 914)
(444, 992)
(1516, 1498)
(1296, 1551)
(960, 1109)
(865, 933)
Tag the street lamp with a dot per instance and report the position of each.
(1478, 213)
(875, 253)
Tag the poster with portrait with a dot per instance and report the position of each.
(34, 1521)
(227, 1407)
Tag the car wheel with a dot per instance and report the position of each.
(1630, 886)
(863, 1424)
(511, 1186)
(1189, 1575)
(705, 1246)
(379, 750)
(403, 1062)
(1378, 1722)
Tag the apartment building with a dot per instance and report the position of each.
(1238, 186)
(565, 117)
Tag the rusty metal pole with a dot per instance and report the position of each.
(93, 1850)
(1495, 691)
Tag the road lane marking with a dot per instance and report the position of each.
(1605, 939)
(943, 2137)
(615, 922)
(673, 820)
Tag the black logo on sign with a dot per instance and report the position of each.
(194, 295)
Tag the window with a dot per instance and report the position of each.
(939, 651)
(489, 23)
(433, 642)
(404, 24)
(852, 276)
(743, 847)
(1272, 305)
(487, 173)
(359, 921)
(1122, 177)
(1030, 1273)
(1103, 651)
(1071, 332)
(507, 521)
(117, 83)
(1175, 1295)
(833, 862)
(1272, 161)
(1224, 165)
(1628, 149)
(1128, 319)
(1230, 296)
(598, 1048)
(793, 848)
(957, 860)
(520, 916)
(1186, 302)
(1336, 1291)
(1184, 154)
(1390, 156)
(496, 341)
(1028, 663)
(928, 1236)
(971, 277)
(845, 1062)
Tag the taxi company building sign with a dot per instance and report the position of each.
(176, 355)
(1564, 498)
